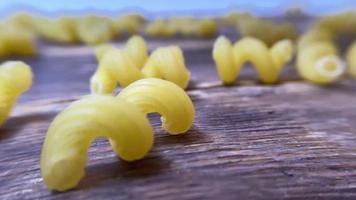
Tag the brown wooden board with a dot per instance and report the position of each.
(292, 140)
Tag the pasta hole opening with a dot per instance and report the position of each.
(330, 66)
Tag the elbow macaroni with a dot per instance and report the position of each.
(124, 66)
(122, 119)
(229, 59)
(15, 79)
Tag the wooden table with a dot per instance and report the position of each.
(292, 140)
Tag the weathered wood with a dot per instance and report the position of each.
(291, 140)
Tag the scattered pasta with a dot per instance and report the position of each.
(317, 58)
(15, 79)
(351, 59)
(229, 59)
(124, 66)
(122, 119)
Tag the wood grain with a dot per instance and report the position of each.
(292, 140)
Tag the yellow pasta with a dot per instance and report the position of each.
(15, 79)
(129, 23)
(94, 30)
(317, 58)
(339, 23)
(124, 66)
(61, 30)
(168, 63)
(229, 59)
(122, 119)
(15, 41)
(266, 30)
(351, 59)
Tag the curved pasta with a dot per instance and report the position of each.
(122, 119)
(64, 152)
(164, 97)
(15, 79)
(229, 59)
(94, 30)
(16, 41)
(351, 59)
(168, 63)
(124, 66)
(317, 58)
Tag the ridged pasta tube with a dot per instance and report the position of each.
(229, 59)
(15, 79)
(124, 66)
(351, 59)
(122, 119)
(317, 58)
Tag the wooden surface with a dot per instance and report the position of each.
(292, 140)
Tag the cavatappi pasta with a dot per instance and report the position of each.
(185, 26)
(351, 59)
(317, 59)
(15, 79)
(124, 66)
(121, 119)
(94, 30)
(14, 41)
(339, 23)
(128, 23)
(268, 62)
(255, 27)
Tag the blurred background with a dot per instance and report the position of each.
(167, 8)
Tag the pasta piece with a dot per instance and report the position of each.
(339, 23)
(94, 30)
(207, 28)
(122, 119)
(166, 98)
(351, 59)
(129, 23)
(61, 30)
(168, 63)
(268, 62)
(317, 58)
(15, 79)
(255, 27)
(159, 28)
(15, 41)
(132, 63)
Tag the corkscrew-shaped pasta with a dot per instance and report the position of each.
(351, 59)
(94, 30)
(15, 79)
(122, 119)
(124, 66)
(15, 41)
(317, 58)
(229, 59)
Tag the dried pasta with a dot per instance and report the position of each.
(351, 59)
(317, 59)
(124, 66)
(94, 30)
(14, 41)
(229, 59)
(15, 79)
(122, 119)
(255, 27)
(129, 23)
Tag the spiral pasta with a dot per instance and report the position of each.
(122, 119)
(317, 58)
(14, 41)
(94, 30)
(351, 59)
(124, 66)
(15, 79)
(229, 59)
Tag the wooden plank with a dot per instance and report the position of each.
(290, 140)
